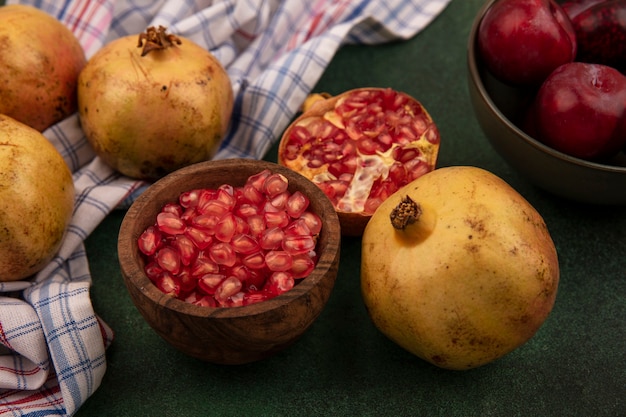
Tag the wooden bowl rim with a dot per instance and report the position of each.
(129, 232)
(484, 95)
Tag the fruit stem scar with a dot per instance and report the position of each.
(405, 213)
(156, 39)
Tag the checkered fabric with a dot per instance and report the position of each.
(52, 343)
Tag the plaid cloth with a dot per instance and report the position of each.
(52, 343)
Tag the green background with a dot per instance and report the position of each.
(574, 366)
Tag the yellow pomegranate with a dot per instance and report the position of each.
(458, 268)
(153, 103)
(40, 59)
(36, 200)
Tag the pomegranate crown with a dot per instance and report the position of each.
(156, 38)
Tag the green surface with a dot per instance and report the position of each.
(574, 366)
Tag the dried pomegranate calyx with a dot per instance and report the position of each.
(156, 38)
(405, 213)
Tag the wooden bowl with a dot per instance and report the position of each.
(230, 335)
(500, 110)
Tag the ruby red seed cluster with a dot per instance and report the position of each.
(232, 246)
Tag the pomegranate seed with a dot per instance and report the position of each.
(241, 272)
(201, 300)
(416, 169)
(186, 249)
(257, 224)
(300, 135)
(244, 244)
(227, 196)
(268, 207)
(189, 199)
(170, 223)
(225, 228)
(200, 237)
(168, 285)
(276, 219)
(313, 221)
(227, 288)
(149, 241)
(280, 200)
(254, 261)
(214, 207)
(296, 204)
(272, 238)
(275, 184)
(188, 215)
(205, 221)
(257, 180)
(168, 259)
(153, 270)
(302, 266)
(242, 226)
(371, 204)
(222, 253)
(278, 260)
(235, 300)
(252, 297)
(204, 265)
(246, 210)
(298, 227)
(208, 283)
(172, 208)
(367, 146)
(397, 173)
(280, 282)
(252, 195)
(295, 245)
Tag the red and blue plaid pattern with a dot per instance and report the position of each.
(52, 343)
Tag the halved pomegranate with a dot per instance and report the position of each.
(360, 147)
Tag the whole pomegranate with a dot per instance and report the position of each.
(153, 103)
(36, 200)
(458, 268)
(40, 60)
(359, 147)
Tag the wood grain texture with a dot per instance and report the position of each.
(234, 335)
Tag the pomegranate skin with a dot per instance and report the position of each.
(36, 200)
(147, 116)
(40, 60)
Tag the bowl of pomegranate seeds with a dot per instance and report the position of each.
(230, 261)
(558, 118)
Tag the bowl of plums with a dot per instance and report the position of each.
(230, 261)
(548, 86)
